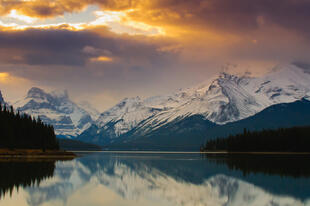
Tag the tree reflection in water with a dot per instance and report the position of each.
(282, 165)
(16, 174)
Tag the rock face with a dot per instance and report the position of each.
(56, 108)
(223, 99)
(1, 98)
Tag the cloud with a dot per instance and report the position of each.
(227, 15)
(76, 48)
(41, 8)
(130, 47)
(200, 30)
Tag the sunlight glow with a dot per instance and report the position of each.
(119, 22)
(14, 27)
(4, 77)
(101, 59)
(15, 15)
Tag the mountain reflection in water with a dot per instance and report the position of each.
(160, 179)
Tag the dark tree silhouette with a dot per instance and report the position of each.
(23, 174)
(21, 131)
(295, 139)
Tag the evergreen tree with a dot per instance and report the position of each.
(296, 139)
(21, 131)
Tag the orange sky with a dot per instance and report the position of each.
(104, 50)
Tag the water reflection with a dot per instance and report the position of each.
(16, 174)
(174, 179)
(292, 166)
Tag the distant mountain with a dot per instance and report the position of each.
(183, 119)
(220, 100)
(190, 133)
(75, 145)
(56, 108)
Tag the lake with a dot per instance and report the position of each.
(142, 179)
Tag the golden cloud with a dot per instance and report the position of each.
(200, 28)
(101, 59)
(41, 8)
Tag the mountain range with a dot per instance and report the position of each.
(184, 119)
(221, 105)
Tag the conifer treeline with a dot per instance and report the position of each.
(296, 139)
(284, 165)
(21, 131)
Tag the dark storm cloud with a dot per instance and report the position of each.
(46, 46)
(231, 14)
(65, 47)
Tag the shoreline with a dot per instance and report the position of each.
(255, 153)
(192, 152)
(35, 154)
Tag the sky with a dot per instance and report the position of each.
(105, 50)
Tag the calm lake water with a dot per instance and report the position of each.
(157, 179)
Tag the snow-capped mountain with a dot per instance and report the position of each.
(225, 98)
(126, 115)
(1, 98)
(229, 98)
(93, 112)
(56, 108)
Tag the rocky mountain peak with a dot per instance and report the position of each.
(36, 92)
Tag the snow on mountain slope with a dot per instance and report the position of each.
(57, 109)
(93, 112)
(2, 101)
(126, 114)
(1, 98)
(223, 99)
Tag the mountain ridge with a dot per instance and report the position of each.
(227, 98)
(190, 133)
